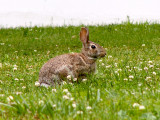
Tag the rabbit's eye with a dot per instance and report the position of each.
(93, 46)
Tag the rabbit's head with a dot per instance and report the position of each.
(90, 49)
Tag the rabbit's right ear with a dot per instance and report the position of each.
(84, 35)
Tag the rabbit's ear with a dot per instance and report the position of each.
(84, 35)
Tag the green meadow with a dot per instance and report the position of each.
(126, 85)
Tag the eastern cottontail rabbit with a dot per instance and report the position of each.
(74, 64)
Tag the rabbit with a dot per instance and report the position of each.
(77, 65)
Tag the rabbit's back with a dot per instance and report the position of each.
(61, 66)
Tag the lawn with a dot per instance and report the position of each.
(126, 84)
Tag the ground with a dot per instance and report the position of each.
(125, 86)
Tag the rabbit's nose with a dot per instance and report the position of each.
(102, 54)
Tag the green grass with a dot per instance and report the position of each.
(129, 74)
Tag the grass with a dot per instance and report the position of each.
(125, 86)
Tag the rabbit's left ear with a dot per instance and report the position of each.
(84, 35)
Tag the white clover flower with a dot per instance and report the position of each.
(35, 50)
(144, 92)
(1, 95)
(141, 107)
(71, 98)
(69, 77)
(127, 66)
(79, 112)
(120, 70)
(108, 66)
(70, 83)
(74, 105)
(115, 64)
(44, 85)
(145, 68)
(100, 60)
(2, 43)
(135, 67)
(83, 80)
(132, 93)
(0, 65)
(54, 90)
(54, 105)
(146, 88)
(150, 62)
(65, 90)
(23, 87)
(151, 66)
(117, 72)
(68, 93)
(64, 82)
(18, 93)
(41, 102)
(140, 84)
(37, 83)
(143, 45)
(16, 79)
(1, 81)
(140, 69)
(131, 77)
(136, 105)
(154, 73)
(103, 64)
(88, 107)
(9, 98)
(75, 79)
(156, 90)
(109, 56)
(65, 97)
(74, 36)
(125, 79)
(14, 68)
(148, 78)
(48, 52)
